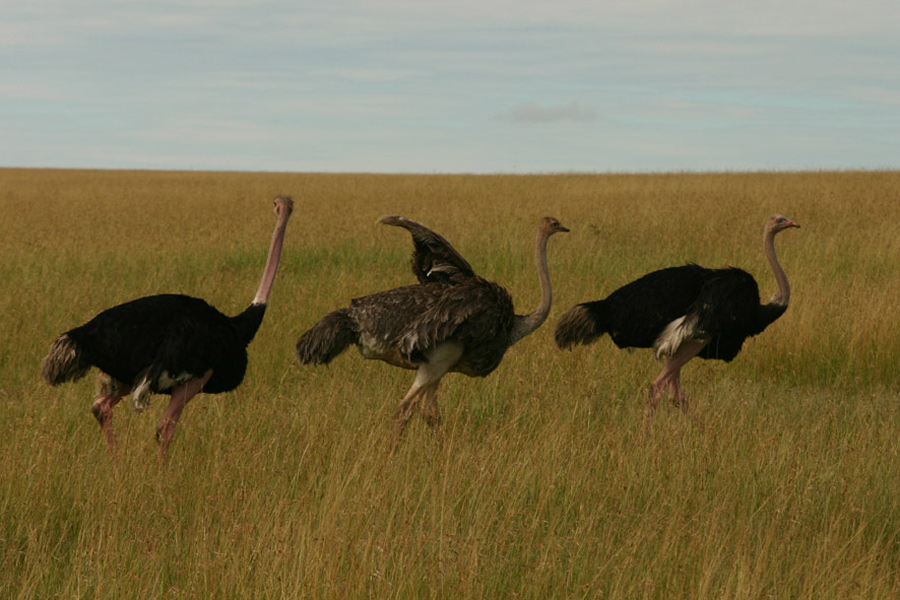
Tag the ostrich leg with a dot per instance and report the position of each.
(678, 397)
(432, 412)
(407, 406)
(670, 377)
(428, 378)
(109, 393)
(180, 397)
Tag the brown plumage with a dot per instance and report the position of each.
(452, 321)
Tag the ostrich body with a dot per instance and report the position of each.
(682, 312)
(452, 321)
(164, 344)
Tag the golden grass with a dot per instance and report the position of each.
(781, 483)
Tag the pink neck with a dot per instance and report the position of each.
(268, 278)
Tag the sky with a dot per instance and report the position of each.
(468, 86)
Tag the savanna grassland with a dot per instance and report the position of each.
(783, 481)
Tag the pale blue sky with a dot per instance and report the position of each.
(446, 87)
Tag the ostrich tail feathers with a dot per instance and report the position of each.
(65, 362)
(327, 339)
(581, 324)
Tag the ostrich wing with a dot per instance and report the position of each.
(728, 302)
(434, 259)
(171, 335)
(477, 313)
(412, 320)
(636, 313)
(726, 312)
(192, 346)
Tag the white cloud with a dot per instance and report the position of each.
(411, 84)
(29, 91)
(762, 17)
(531, 112)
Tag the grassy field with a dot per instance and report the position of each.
(782, 482)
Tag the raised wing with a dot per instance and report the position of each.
(433, 259)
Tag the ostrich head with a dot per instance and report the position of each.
(284, 206)
(777, 222)
(549, 226)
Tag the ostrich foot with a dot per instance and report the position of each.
(164, 434)
(432, 414)
(656, 393)
(102, 409)
(679, 398)
(401, 418)
(438, 431)
(681, 401)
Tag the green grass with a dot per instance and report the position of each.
(781, 483)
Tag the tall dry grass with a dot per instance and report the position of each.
(781, 483)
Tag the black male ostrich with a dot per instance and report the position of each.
(682, 312)
(166, 344)
(453, 321)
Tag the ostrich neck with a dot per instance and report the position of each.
(247, 323)
(524, 325)
(268, 278)
(782, 295)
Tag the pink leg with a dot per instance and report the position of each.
(102, 409)
(670, 377)
(109, 393)
(679, 398)
(180, 397)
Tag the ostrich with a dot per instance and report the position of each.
(453, 320)
(164, 344)
(682, 312)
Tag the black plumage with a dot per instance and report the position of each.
(682, 312)
(164, 344)
(636, 314)
(176, 337)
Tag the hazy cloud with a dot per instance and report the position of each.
(407, 85)
(531, 112)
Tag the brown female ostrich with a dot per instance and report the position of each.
(682, 312)
(453, 320)
(165, 344)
